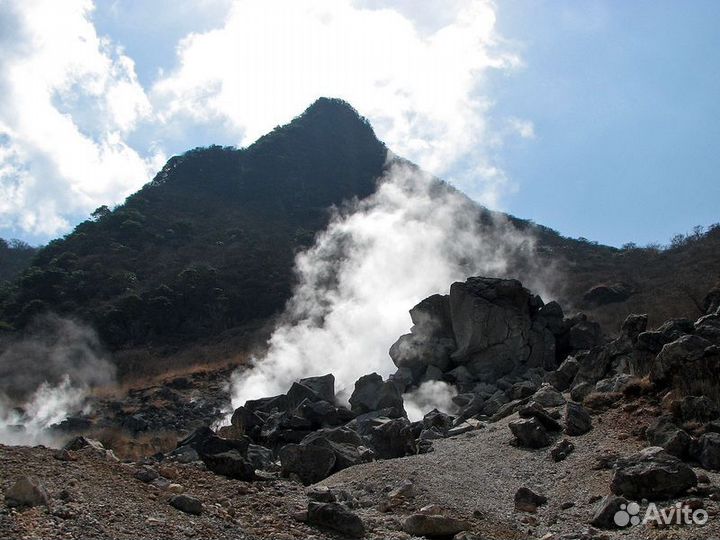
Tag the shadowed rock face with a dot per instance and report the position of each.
(490, 317)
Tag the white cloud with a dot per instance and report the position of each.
(69, 100)
(77, 129)
(524, 128)
(417, 81)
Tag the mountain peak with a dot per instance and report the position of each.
(329, 122)
(333, 106)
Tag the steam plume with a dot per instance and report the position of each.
(45, 377)
(376, 260)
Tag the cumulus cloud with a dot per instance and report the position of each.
(78, 129)
(69, 100)
(375, 261)
(414, 71)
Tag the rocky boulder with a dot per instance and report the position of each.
(433, 525)
(675, 356)
(709, 451)
(492, 324)
(577, 419)
(323, 386)
(231, 464)
(607, 510)
(664, 433)
(336, 517)
(27, 491)
(387, 437)
(310, 463)
(526, 500)
(529, 433)
(373, 394)
(187, 503)
(652, 474)
(347, 445)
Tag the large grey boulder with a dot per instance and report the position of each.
(309, 462)
(652, 474)
(231, 463)
(349, 448)
(373, 394)
(675, 356)
(491, 321)
(431, 317)
(417, 352)
(323, 386)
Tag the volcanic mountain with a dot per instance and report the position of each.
(204, 253)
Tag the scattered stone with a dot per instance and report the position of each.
(652, 474)
(548, 396)
(146, 474)
(534, 410)
(422, 524)
(663, 432)
(187, 503)
(231, 464)
(27, 491)
(336, 517)
(527, 500)
(577, 419)
(323, 386)
(607, 509)
(562, 450)
(405, 490)
(529, 433)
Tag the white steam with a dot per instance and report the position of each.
(46, 376)
(376, 260)
(429, 395)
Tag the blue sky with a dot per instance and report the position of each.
(624, 101)
(599, 119)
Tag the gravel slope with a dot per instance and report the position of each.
(473, 476)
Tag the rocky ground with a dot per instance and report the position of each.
(471, 477)
(557, 429)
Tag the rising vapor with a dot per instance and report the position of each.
(46, 375)
(376, 260)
